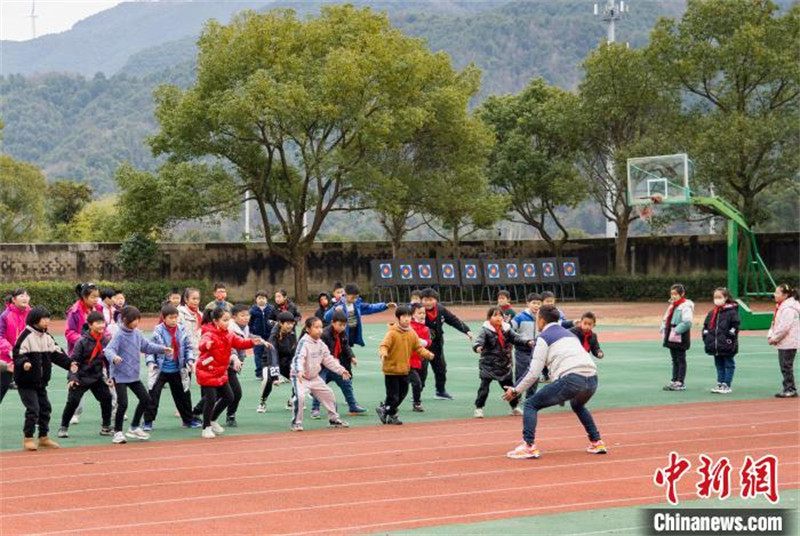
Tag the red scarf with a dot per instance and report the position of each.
(176, 347)
(196, 313)
(505, 307)
(586, 336)
(98, 347)
(673, 306)
(714, 317)
(500, 338)
(431, 314)
(337, 348)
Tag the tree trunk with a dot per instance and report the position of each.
(621, 247)
(456, 244)
(300, 278)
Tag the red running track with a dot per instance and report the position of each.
(383, 478)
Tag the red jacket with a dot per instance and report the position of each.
(212, 366)
(424, 335)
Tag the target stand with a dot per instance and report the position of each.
(384, 283)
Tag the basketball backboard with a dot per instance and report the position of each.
(662, 179)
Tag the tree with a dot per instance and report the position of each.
(737, 63)
(625, 112)
(533, 161)
(22, 201)
(98, 221)
(292, 111)
(65, 200)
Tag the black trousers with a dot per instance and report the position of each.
(144, 408)
(37, 410)
(786, 359)
(181, 398)
(678, 364)
(236, 389)
(396, 391)
(5, 383)
(101, 393)
(483, 391)
(266, 386)
(416, 381)
(439, 366)
(215, 400)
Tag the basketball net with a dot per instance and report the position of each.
(646, 210)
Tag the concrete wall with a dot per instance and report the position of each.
(247, 267)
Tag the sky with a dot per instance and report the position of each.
(53, 16)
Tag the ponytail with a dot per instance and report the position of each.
(788, 291)
(211, 315)
(83, 290)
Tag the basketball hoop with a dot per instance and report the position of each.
(645, 212)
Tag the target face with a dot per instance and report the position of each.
(548, 269)
(406, 272)
(424, 271)
(385, 271)
(569, 269)
(511, 271)
(529, 270)
(448, 271)
(471, 271)
(494, 271)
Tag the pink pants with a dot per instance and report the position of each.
(321, 392)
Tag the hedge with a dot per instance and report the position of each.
(58, 296)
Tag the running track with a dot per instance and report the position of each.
(383, 478)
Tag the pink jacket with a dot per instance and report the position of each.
(785, 331)
(12, 322)
(76, 318)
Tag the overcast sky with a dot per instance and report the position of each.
(52, 16)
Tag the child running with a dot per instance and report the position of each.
(354, 307)
(721, 338)
(91, 374)
(524, 324)
(283, 343)
(261, 325)
(239, 327)
(676, 330)
(494, 344)
(12, 324)
(417, 373)
(395, 353)
(585, 333)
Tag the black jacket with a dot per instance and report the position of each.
(320, 312)
(290, 307)
(437, 327)
(346, 356)
(89, 370)
(40, 350)
(495, 362)
(723, 338)
(284, 348)
(261, 321)
(594, 345)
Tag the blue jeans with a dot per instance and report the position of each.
(258, 356)
(522, 362)
(345, 385)
(573, 387)
(725, 368)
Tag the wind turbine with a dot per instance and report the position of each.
(33, 17)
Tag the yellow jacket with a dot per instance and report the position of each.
(396, 348)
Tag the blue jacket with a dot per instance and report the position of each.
(128, 344)
(260, 321)
(361, 308)
(524, 323)
(162, 337)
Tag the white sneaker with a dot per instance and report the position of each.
(216, 428)
(725, 389)
(137, 433)
(119, 438)
(262, 408)
(478, 414)
(75, 419)
(208, 433)
(516, 412)
(717, 389)
(177, 413)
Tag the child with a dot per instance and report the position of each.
(354, 307)
(284, 304)
(417, 373)
(524, 324)
(213, 365)
(504, 303)
(721, 338)
(107, 305)
(239, 327)
(261, 325)
(190, 317)
(91, 374)
(436, 315)
(173, 298)
(173, 369)
(323, 304)
(34, 353)
(784, 334)
(676, 330)
(119, 305)
(12, 324)
(584, 332)
(88, 296)
(283, 344)
(311, 356)
(395, 353)
(338, 292)
(335, 338)
(122, 355)
(220, 298)
(549, 298)
(416, 298)
(494, 346)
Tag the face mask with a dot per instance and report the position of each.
(719, 302)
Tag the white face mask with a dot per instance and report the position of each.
(719, 302)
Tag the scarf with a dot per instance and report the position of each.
(196, 314)
(714, 317)
(176, 347)
(586, 336)
(432, 313)
(672, 308)
(337, 348)
(98, 347)
(505, 307)
(775, 314)
(500, 338)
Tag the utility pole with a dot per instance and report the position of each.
(33, 17)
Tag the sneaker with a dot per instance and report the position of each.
(177, 414)
(674, 386)
(478, 413)
(231, 422)
(393, 419)
(262, 408)
(208, 433)
(289, 405)
(217, 428)
(76, 419)
(119, 438)
(444, 395)
(47, 443)
(105, 431)
(29, 443)
(357, 410)
(62, 432)
(516, 412)
(381, 413)
(125, 417)
(194, 423)
(297, 428)
(717, 389)
(338, 423)
(786, 394)
(725, 389)
(147, 427)
(524, 451)
(418, 408)
(597, 447)
(315, 414)
(137, 433)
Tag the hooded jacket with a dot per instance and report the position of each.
(12, 324)
(322, 309)
(682, 323)
(162, 337)
(215, 355)
(495, 362)
(38, 348)
(191, 324)
(76, 318)
(311, 356)
(289, 306)
(261, 322)
(785, 331)
(284, 348)
(424, 335)
(723, 338)
(396, 350)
